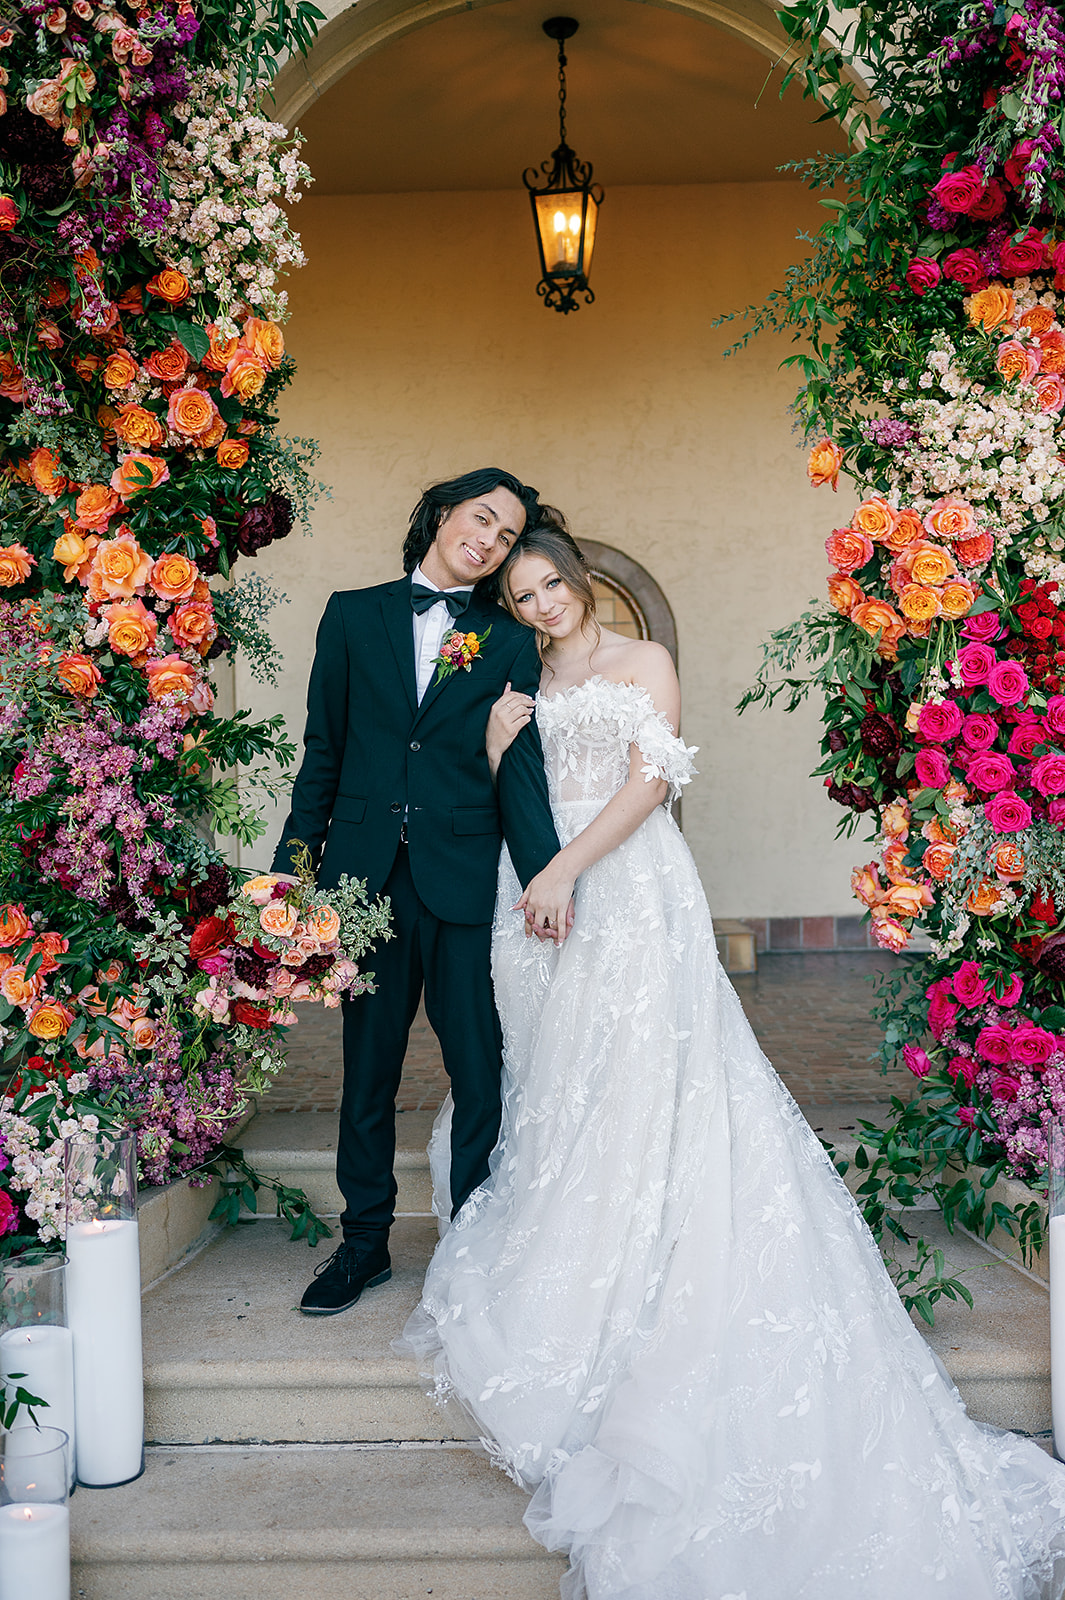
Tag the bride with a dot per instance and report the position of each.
(663, 1311)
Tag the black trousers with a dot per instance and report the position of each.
(452, 961)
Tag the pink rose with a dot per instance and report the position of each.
(941, 1009)
(1033, 1046)
(960, 191)
(991, 203)
(1025, 736)
(1027, 255)
(215, 965)
(966, 268)
(1056, 814)
(985, 627)
(967, 1115)
(932, 768)
(939, 724)
(917, 1060)
(975, 663)
(968, 986)
(991, 772)
(1017, 164)
(891, 935)
(1048, 774)
(1054, 716)
(965, 1068)
(1050, 388)
(923, 274)
(1059, 265)
(1007, 682)
(1005, 1087)
(995, 1043)
(1007, 812)
(1012, 992)
(979, 731)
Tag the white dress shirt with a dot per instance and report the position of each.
(430, 627)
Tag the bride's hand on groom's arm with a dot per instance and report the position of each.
(510, 713)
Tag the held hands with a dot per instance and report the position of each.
(548, 903)
(511, 712)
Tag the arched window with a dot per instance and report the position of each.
(627, 597)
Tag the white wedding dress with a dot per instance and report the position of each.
(664, 1311)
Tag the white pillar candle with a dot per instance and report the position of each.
(104, 1312)
(45, 1353)
(34, 1551)
(1057, 1332)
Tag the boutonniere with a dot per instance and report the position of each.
(458, 649)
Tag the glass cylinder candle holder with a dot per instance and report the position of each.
(36, 1345)
(34, 1519)
(1056, 1230)
(103, 1294)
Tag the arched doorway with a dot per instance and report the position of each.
(627, 597)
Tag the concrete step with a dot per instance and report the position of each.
(299, 1148)
(736, 945)
(310, 1523)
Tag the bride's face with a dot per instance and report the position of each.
(542, 599)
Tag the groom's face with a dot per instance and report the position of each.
(473, 537)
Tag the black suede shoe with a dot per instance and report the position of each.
(339, 1282)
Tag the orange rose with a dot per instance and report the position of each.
(121, 567)
(907, 528)
(907, 899)
(844, 593)
(875, 518)
(1052, 351)
(131, 627)
(17, 989)
(950, 518)
(894, 860)
(138, 427)
(142, 1034)
(11, 387)
(80, 675)
(990, 307)
(131, 300)
(928, 563)
(220, 354)
(895, 820)
(936, 861)
(173, 577)
(918, 602)
(865, 885)
(939, 832)
(169, 365)
(215, 433)
(14, 925)
(192, 625)
(244, 376)
(16, 564)
(267, 343)
(877, 617)
(890, 935)
(957, 598)
(983, 899)
(232, 453)
(48, 334)
(74, 551)
(324, 923)
(44, 470)
(192, 412)
(50, 1020)
(1009, 863)
(120, 371)
(170, 675)
(975, 550)
(87, 367)
(824, 463)
(1038, 319)
(95, 506)
(169, 285)
(278, 919)
(848, 549)
(48, 946)
(56, 293)
(138, 473)
(86, 265)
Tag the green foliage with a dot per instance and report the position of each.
(240, 1184)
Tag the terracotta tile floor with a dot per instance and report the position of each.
(810, 1012)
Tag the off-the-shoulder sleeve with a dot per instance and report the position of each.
(666, 756)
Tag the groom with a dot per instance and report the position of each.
(395, 788)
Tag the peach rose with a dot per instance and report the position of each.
(984, 899)
(169, 285)
(15, 925)
(50, 1020)
(11, 386)
(202, 697)
(74, 551)
(890, 935)
(138, 427)
(244, 376)
(1009, 863)
(824, 463)
(907, 899)
(232, 453)
(170, 676)
(1052, 351)
(875, 518)
(1017, 361)
(936, 861)
(169, 365)
(45, 101)
(278, 919)
(95, 506)
(1050, 387)
(957, 598)
(990, 307)
(142, 1034)
(260, 890)
(324, 923)
(16, 564)
(894, 862)
(121, 567)
(950, 518)
(131, 627)
(877, 617)
(173, 577)
(220, 354)
(918, 602)
(120, 371)
(192, 625)
(80, 675)
(936, 831)
(895, 820)
(265, 341)
(865, 885)
(17, 989)
(192, 412)
(975, 550)
(848, 549)
(112, 972)
(928, 563)
(48, 946)
(844, 593)
(138, 473)
(48, 334)
(908, 527)
(1037, 319)
(44, 470)
(215, 433)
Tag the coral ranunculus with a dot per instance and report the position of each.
(79, 674)
(16, 564)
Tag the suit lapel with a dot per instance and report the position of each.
(475, 619)
(396, 615)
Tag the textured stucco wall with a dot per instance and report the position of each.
(423, 351)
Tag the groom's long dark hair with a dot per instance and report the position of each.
(425, 518)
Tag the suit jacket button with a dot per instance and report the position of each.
(415, 745)
(395, 808)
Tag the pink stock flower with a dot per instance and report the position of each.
(1007, 812)
(990, 772)
(939, 723)
(979, 731)
(932, 768)
(968, 986)
(1007, 682)
(975, 663)
(918, 1060)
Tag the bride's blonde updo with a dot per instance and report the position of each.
(551, 540)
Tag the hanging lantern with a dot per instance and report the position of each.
(566, 208)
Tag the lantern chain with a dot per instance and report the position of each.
(562, 91)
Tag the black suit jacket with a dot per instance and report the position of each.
(371, 754)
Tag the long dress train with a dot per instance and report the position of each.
(664, 1311)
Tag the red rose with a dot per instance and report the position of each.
(1026, 256)
(8, 213)
(966, 268)
(960, 191)
(210, 936)
(991, 203)
(251, 1016)
(923, 274)
(1017, 165)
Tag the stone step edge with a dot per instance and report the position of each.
(281, 1160)
(230, 1547)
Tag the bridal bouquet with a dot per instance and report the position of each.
(279, 942)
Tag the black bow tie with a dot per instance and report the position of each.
(422, 599)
